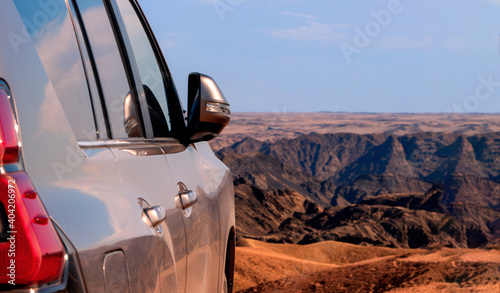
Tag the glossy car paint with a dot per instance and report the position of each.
(223, 195)
(145, 174)
(91, 188)
(202, 231)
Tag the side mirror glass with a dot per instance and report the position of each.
(131, 119)
(208, 110)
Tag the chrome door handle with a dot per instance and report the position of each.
(185, 198)
(155, 215)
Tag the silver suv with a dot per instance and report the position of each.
(106, 184)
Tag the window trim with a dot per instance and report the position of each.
(131, 70)
(84, 67)
(95, 72)
(177, 120)
(130, 65)
(166, 145)
(92, 75)
(176, 111)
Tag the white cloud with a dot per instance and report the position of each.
(170, 40)
(232, 3)
(308, 16)
(460, 43)
(497, 2)
(404, 42)
(177, 35)
(168, 44)
(312, 31)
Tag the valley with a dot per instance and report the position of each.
(416, 185)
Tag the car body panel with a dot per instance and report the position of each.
(201, 221)
(91, 187)
(223, 180)
(144, 173)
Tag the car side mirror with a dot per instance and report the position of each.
(208, 110)
(131, 119)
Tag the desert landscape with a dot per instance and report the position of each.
(278, 125)
(339, 202)
(340, 267)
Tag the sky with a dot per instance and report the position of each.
(283, 56)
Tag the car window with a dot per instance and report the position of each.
(148, 69)
(120, 103)
(51, 29)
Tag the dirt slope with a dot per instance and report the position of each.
(339, 267)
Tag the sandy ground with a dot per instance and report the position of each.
(275, 126)
(340, 267)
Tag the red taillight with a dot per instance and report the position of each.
(32, 253)
(2, 147)
(9, 137)
(33, 244)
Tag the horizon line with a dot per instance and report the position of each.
(346, 112)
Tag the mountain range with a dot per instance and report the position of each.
(409, 191)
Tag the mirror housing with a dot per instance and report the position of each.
(208, 110)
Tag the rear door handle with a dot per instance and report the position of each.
(185, 198)
(155, 215)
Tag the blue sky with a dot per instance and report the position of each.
(333, 55)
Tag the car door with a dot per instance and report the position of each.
(143, 131)
(188, 169)
(201, 220)
(144, 173)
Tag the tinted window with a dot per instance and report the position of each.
(110, 69)
(149, 70)
(50, 27)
